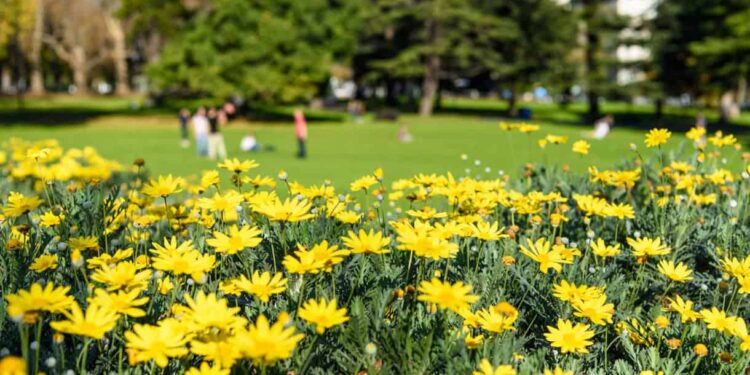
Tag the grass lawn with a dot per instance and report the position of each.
(338, 150)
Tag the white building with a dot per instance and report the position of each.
(639, 11)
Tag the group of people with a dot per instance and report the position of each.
(209, 141)
(206, 126)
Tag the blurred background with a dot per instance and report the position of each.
(121, 66)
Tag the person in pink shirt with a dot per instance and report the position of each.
(300, 130)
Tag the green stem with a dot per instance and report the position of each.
(305, 363)
(23, 331)
(38, 350)
(301, 291)
(359, 277)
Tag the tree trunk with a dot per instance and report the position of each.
(430, 85)
(80, 70)
(659, 108)
(119, 54)
(6, 79)
(742, 91)
(593, 98)
(513, 102)
(35, 56)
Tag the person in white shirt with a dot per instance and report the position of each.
(200, 131)
(249, 143)
(603, 126)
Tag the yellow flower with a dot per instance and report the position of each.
(125, 303)
(18, 204)
(222, 350)
(25, 304)
(12, 365)
(265, 344)
(163, 186)
(44, 262)
(182, 259)
(485, 368)
(599, 248)
(488, 232)
(695, 133)
(556, 139)
(124, 275)
(679, 273)
(496, 321)
(570, 338)
(661, 321)
(454, 297)
(540, 252)
(581, 147)
(303, 262)
(323, 314)
(719, 320)
(107, 260)
(366, 242)
(50, 219)
(262, 285)
(96, 322)
(157, 343)
(83, 243)
(425, 244)
(237, 166)
(473, 342)
(209, 178)
(237, 240)
(363, 183)
(164, 285)
(595, 309)
(569, 292)
(620, 211)
(700, 350)
(684, 307)
(528, 128)
(645, 247)
(288, 210)
(209, 312)
(206, 369)
(657, 137)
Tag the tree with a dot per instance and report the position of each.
(535, 49)
(728, 50)
(35, 52)
(265, 49)
(16, 23)
(152, 23)
(430, 40)
(600, 29)
(116, 32)
(78, 36)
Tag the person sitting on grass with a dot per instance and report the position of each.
(249, 143)
(603, 126)
(403, 134)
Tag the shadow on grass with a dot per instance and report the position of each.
(634, 117)
(73, 114)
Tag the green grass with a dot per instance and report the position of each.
(338, 150)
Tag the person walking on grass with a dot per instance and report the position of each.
(216, 147)
(300, 131)
(200, 131)
(184, 118)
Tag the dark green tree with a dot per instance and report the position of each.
(428, 41)
(536, 48)
(270, 50)
(728, 50)
(601, 26)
